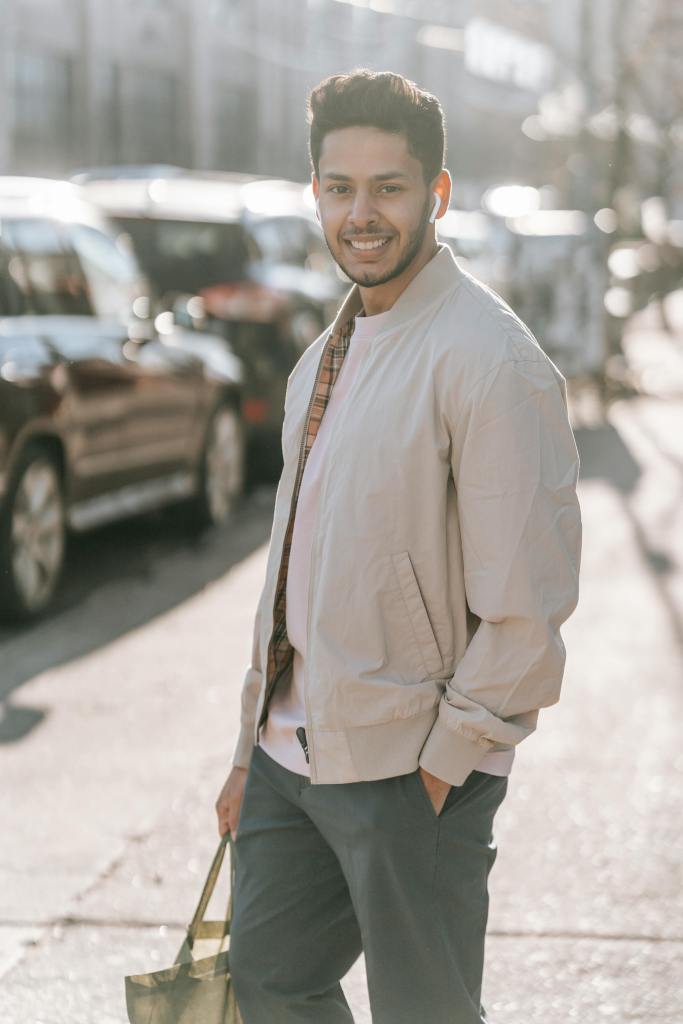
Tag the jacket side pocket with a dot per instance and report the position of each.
(422, 627)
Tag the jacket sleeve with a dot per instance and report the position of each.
(515, 467)
(250, 691)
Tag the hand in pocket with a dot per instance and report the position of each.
(437, 789)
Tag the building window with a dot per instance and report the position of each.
(235, 128)
(155, 123)
(108, 121)
(44, 123)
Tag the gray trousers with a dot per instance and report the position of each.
(326, 872)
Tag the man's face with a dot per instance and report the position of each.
(374, 203)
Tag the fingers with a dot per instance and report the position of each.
(229, 802)
(223, 824)
(228, 812)
(223, 814)
(234, 815)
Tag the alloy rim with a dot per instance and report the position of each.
(37, 534)
(223, 465)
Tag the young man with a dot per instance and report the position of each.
(424, 554)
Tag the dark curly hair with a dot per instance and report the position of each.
(380, 99)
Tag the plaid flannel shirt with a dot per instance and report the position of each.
(280, 651)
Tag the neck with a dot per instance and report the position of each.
(380, 299)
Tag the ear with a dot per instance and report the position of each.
(443, 185)
(315, 185)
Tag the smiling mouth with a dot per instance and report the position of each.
(374, 246)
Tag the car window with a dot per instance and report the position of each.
(43, 269)
(317, 254)
(282, 240)
(271, 240)
(188, 256)
(12, 302)
(111, 271)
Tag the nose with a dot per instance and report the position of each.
(362, 212)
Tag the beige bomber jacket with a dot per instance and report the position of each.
(447, 545)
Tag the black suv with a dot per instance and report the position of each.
(105, 411)
(240, 256)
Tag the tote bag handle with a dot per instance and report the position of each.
(210, 885)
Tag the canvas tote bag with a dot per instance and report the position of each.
(197, 988)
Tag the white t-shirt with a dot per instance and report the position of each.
(286, 712)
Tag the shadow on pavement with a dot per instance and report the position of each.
(604, 456)
(117, 579)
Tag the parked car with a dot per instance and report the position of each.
(85, 174)
(479, 242)
(280, 217)
(250, 251)
(104, 411)
(558, 280)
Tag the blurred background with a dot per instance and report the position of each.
(161, 271)
(583, 98)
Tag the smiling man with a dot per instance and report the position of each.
(424, 553)
(377, 211)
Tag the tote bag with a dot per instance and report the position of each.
(197, 988)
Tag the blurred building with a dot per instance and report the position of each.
(223, 83)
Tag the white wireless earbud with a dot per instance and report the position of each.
(317, 208)
(435, 208)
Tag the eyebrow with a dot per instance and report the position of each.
(336, 176)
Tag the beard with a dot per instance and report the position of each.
(405, 257)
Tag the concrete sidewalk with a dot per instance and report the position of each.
(587, 891)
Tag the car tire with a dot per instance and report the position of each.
(32, 536)
(220, 478)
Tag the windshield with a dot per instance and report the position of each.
(188, 256)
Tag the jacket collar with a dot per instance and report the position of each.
(434, 280)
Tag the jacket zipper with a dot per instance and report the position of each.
(307, 709)
(308, 738)
(301, 734)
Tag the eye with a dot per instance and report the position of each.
(335, 187)
(392, 188)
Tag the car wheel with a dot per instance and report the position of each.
(221, 471)
(32, 536)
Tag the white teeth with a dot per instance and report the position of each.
(369, 245)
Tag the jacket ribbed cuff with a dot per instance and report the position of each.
(449, 755)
